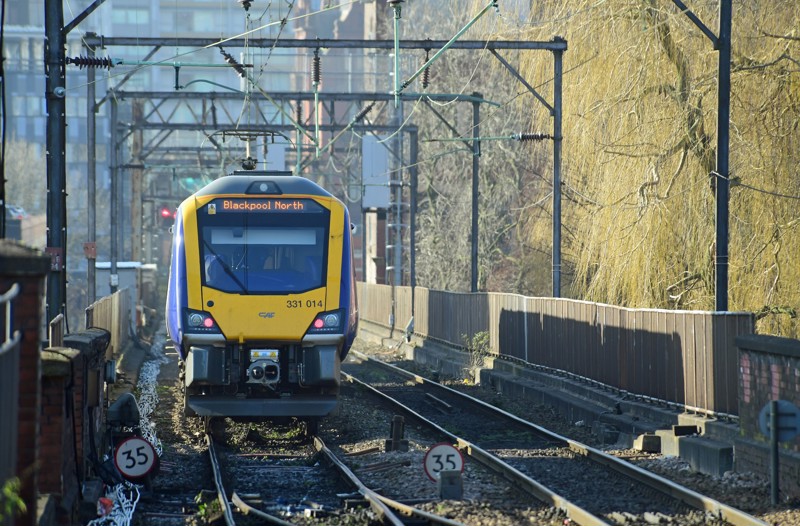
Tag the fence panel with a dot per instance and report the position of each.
(113, 314)
(686, 357)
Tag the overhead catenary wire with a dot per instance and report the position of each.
(221, 41)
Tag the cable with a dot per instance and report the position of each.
(755, 189)
(224, 40)
(475, 70)
(400, 128)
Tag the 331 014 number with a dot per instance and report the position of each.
(299, 304)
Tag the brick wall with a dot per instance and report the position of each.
(28, 268)
(88, 393)
(58, 475)
(769, 369)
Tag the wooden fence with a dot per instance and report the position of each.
(684, 357)
(112, 313)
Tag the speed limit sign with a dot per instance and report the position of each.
(442, 457)
(135, 457)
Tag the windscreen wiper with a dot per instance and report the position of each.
(225, 266)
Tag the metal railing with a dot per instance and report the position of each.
(9, 388)
(56, 331)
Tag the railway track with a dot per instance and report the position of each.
(592, 486)
(336, 491)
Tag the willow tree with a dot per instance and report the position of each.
(640, 99)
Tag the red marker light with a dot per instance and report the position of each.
(166, 213)
(318, 323)
(208, 323)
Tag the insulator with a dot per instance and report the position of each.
(524, 137)
(233, 62)
(316, 68)
(426, 73)
(91, 62)
(246, 4)
(298, 112)
(363, 113)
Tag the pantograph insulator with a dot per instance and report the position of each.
(316, 67)
(91, 62)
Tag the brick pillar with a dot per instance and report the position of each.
(28, 268)
(769, 369)
(58, 476)
(88, 392)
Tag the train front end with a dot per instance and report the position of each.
(261, 302)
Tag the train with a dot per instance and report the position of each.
(261, 297)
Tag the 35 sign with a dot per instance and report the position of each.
(135, 458)
(442, 457)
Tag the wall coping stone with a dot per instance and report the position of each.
(769, 344)
(17, 259)
(57, 361)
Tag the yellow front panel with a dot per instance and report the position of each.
(279, 318)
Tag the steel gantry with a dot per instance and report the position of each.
(150, 150)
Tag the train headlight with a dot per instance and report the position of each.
(327, 322)
(200, 322)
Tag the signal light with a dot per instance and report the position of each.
(167, 216)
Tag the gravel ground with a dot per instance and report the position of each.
(183, 462)
(745, 491)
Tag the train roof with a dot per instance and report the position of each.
(276, 184)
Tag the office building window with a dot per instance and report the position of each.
(130, 16)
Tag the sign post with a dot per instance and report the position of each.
(780, 421)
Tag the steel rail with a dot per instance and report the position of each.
(522, 481)
(221, 495)
(379, 503)
(696, 500)
(249, 510)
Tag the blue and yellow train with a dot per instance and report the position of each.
(261, 301)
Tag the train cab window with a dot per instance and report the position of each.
(249, 253)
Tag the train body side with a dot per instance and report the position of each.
(261, 299)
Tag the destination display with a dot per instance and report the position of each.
(260, 206)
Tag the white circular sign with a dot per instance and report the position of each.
(135, 457)
(442, 457)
